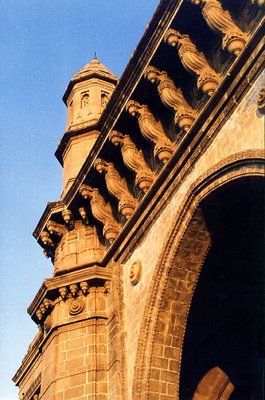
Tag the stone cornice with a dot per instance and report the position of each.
(85, 273)
(31, 355)
(51, 208)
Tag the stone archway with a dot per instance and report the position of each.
(158, 362)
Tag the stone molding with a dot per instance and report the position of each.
(151, 130)
(193, 61)
(30, 394)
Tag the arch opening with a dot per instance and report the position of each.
(225, 323)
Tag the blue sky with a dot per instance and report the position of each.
(43, 43)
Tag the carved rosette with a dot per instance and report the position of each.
(117, 187)
(101, 211)
(76, 306)
(261, 101)
(220, 21)
(134, 160)
(193, 61)
(171, 97)
(135, 272)
(152, 130)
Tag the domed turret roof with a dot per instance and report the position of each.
(93, 69)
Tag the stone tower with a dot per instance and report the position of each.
(86, 97)
(157, 240)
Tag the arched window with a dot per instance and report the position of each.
(85, 100)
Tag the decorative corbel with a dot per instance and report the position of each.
(63, 291)
(152, 130)
(117, 187)
(74, 289)
(101, 211)
(84, 286)
(193, 61)
(134, 160)
(172, 97)
(46, 240)
(68, 219)
(221, 22)
(54, 228)
(83, 214)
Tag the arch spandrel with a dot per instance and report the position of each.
(158, 360)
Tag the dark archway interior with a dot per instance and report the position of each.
(225, 325)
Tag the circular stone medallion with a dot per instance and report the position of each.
(76, 306)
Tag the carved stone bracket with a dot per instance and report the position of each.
(193, 61)
(48, 248)
(117, 187)
(101, 211)
(220, 21)
(55, 229)
(68, 219)
(172, 97)
(152, 130)
(134, 160)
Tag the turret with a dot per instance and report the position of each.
(86, 97)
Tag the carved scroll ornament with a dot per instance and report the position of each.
(171, 97)
(220, 21)
(134, 160)
(193, 61)
(117, 187)
(101, 211)
(152, 130)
